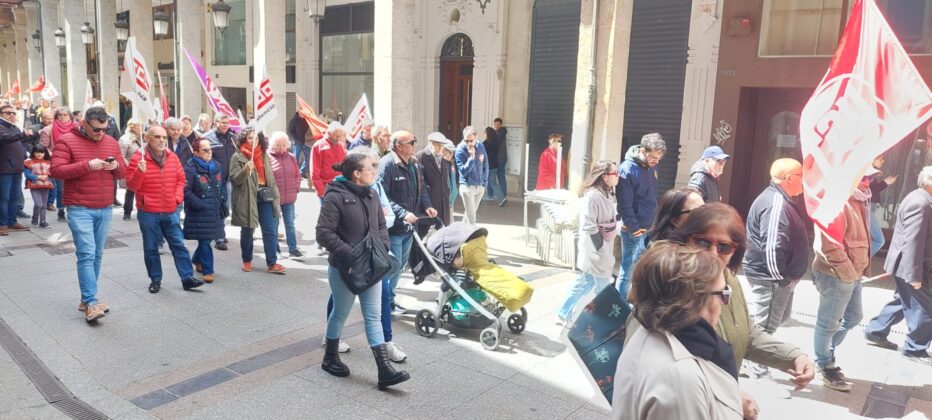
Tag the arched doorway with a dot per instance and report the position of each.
(456, 64)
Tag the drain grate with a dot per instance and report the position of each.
(64, 248)
(48, 385)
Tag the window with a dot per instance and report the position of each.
(347, 47)
(230, 48)
(290, 22)
(800, 27)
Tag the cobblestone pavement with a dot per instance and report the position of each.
(247, 346)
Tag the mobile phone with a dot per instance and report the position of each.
(110, 159)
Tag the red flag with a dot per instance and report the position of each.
(162, 98)
(14, 89)
(871, 98)
(38, 85)
(317, 126)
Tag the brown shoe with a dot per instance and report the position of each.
(94, 312)
(277, 269)
(19, 228)
(4, 231)
(83, 307)
(51, 207)
(198, 268)
(208, 278)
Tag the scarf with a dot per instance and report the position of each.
(861, 195)
(702, 341)
(59, 128)
(256, 159)
(159, 160)
(203, 164)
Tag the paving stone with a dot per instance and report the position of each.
(510, 401)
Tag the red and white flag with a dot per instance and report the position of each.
(136, 81)
(38, 85)
(361, 112)
(266, 110)
(88, 95)
(316, 126)
(49, 92)
(871, 98)
(214, 97)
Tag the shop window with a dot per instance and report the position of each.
(800, 27)
(290, 22)
(347, 47)
(230, 48)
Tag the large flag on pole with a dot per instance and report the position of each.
(316, 126)
(361, 112)
(136, 81)
(214, 97)
(871, 98)
(266, 110)
(38, 85)
(163, 100)
(88, 95)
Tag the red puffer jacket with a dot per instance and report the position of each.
(158, 189)
(71, 163)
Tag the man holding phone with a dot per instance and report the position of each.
(85, 160)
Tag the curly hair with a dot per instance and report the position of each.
(670, 285)
(262, 144)
(703, 218)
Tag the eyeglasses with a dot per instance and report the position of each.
(724, 294)
(9, 112)
(655, 156)
(721, 247)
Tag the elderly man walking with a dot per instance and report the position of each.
(436, 172)
(706, 171)
(88, 162)
(909, 259)
(157, 177)
(778, 249)
(472, 162)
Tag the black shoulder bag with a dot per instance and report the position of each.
(367, 262)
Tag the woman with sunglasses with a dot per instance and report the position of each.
(204, 194)
(676, 366)
(596, 231)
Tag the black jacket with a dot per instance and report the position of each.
(182, 149)
(224, 148)
(297, 129)
(12, 148)
(705, 183)
(406, 190)
(778, 245)
(204, 193)
(348, 213)
(438, 183)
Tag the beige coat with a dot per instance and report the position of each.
(658, 378)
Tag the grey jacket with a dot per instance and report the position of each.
(596, 213)
(910, 253)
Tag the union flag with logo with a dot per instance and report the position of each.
(871, 97)
(266, 110)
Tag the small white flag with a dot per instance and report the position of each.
(266, 110)
(49, 92)
(361, 112)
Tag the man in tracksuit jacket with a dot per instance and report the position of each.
(778, 249)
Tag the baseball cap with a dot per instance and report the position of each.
(714, 152)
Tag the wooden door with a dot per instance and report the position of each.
(455, 96)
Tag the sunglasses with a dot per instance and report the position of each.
(408, 142)
(721, 247)
(724, 294)
(99, 129)
(9, 113)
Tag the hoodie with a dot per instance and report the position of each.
(704, 182)
(636, 191)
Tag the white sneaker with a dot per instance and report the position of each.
(343, 348)
(394, 352)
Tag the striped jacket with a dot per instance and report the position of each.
(778, 243)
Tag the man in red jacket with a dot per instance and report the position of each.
(156, 176)
(325, 153)
(88, 161)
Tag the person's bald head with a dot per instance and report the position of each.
(403, 142)
(156, 138)
(788, 174)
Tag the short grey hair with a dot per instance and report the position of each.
(469, 130)
(363, 150)
(374, 132)
(334, 126)
(925, 177)
(653, 143)
(172, 122)
(277, 135)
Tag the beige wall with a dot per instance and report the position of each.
(517, 66)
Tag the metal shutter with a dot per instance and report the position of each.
(552, 88)
(290, 106)
(656, 75)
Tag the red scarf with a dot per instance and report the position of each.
(59, 128)
(256, 159)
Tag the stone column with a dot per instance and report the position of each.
(140, 26)
(107, 66)
(395, 46)
(50, 53)
(307, 62)
(75, 53)
(22, 46)
(7, 62)
(189, 19)
(34, 55)
(269, 53)
(696, 132)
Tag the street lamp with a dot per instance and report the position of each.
(160, 20)
(316, 9)
(37, 40)
(221, 12)
(87, 33)
(60, 38)
(122, 30)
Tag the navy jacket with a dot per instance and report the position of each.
(224, 148)
(204, 193)
(778, 245)
(472, 172)
(12, 148)
(636, 192)
(406, 190)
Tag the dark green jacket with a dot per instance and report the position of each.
(244, 200)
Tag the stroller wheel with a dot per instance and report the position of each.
(489, 338)
(425, 323)
(516, 323)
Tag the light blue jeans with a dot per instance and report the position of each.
(839, 311)
(89, 227)
(290, 236)
(584, 283)
(400, 247)
(631, 249)
(876, 231)
(370, 301)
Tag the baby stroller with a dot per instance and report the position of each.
(474, 292)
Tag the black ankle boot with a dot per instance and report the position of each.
(388, 376)
(332, 363)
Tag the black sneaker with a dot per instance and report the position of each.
(879, 341)
(35, 221)
(834, 379)
(127, 217)
(155, 286)
(191, 283)
(920, 358)
(43, 225)
(296, 254)
(221, 244)
(61, 216)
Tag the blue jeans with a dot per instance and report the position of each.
(400, 247)
(55, 195)
(631, 248)
(497, 183)
(913, 305)
(269, 225)
(298, 150)
(89, 227)
(290, 237)
(584, 283)
(839, 311)
(877, 238)
(154, 227)
(343, 300)
(10, 184)
(204, 255)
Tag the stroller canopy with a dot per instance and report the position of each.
(445, 244)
